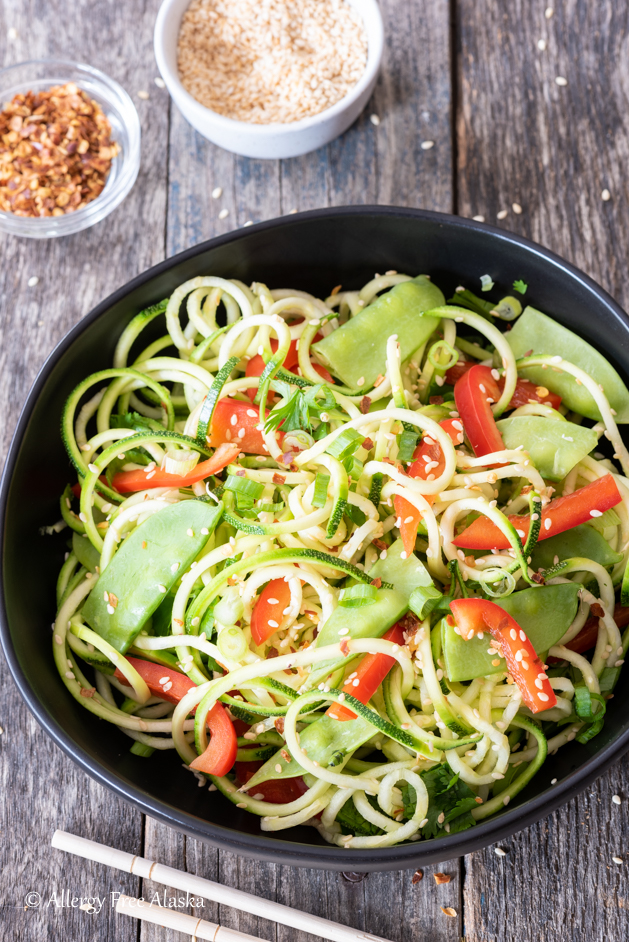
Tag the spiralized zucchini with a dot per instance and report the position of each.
(306, 516)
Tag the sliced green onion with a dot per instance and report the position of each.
(244, 503)
(178, 461)
(232, 643)
(140, 749)
(434, 355)
(508, 309)
(354, 467)
(244, 487)
(346, 444)
(320, 490)
(270, 508)
(229, 608)
(424, 599)
(357, 595)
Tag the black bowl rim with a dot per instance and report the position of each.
(259, 845)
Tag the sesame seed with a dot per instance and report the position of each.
(541, 44)
(517, 209)
(159, 82)
(543, 697)
(502, 214)
(143, 95)
(617, 860)
(375, 120)
(619, 663)
(70, 675)
(217, 192)
(553, 781)
(548, 12)
(110, 610)
(596, 513)
(241, 804)
(272, 624)
(427, 145)
(162, 589)
(560, 80)
(606, 195)
(32, 281)
(12, 33)
(499, 852)
(547, 524)
(224, 213)
(477, 219)
(361, 381)
(616, 799)
(190, 531)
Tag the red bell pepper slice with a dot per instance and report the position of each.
(278, 791)
(426, 454)
(471, 395)
(171, 685)
(368, 675)
(525, 390)
(127, 481)
(475, 616)
(560, 514)
(268, 612)
(256, 364)
(243, 431)
(588, 636)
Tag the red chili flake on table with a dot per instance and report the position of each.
(417, 877)
(55, 152)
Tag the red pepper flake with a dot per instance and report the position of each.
(143, 544)
(538, 577)
(279, 724)
(345, 647)
(441, 878)
(436, 400)
(241, 473)
(113, 600)
(279, 479)
(285, 755)
(272, 652)
(335, 290)
(597, 610)
(368, 444)
(88, 691)
(377, 582)
(365, 404)
(448, 911)
(379, 379)
(293, 467)
(417, 877)
(380, 544)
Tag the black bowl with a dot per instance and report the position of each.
(312, 251)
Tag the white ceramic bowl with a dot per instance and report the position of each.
(271, 141)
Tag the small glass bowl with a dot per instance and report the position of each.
(40, 74)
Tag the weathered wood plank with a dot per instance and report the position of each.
(75, 273)
(552, 149)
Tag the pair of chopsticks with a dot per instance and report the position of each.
(207, 889)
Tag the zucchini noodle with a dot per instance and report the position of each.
(317, 540)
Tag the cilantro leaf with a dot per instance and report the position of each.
(352, 821)
(137, 422)
(520, 286)
(447, 795)
(298, 409)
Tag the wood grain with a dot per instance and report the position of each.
(552, 149)
(41, 788)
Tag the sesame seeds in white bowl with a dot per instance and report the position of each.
(299, 71)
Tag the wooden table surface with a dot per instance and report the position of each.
(468, 75)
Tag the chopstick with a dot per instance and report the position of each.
(180, 922)
(207, 889)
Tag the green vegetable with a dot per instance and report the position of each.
(520, 286)
(486, 282)
(584, 541)
(424, 600)
(299, 407)
(320, 495)
(125, 581)
(539, 333)
(543, 613)
(447, 796)
(554, 447)
(244, 487)
(346, 444)
(209, 404)
(352, 821)
(356, 596)
(85, 552)
(356, 352)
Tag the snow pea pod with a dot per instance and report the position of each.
(584, 541)
(554, 447)
(86, 554)
(356, 352)
(544, 614)
(145, 568)
(534, 331)
(371, 621)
